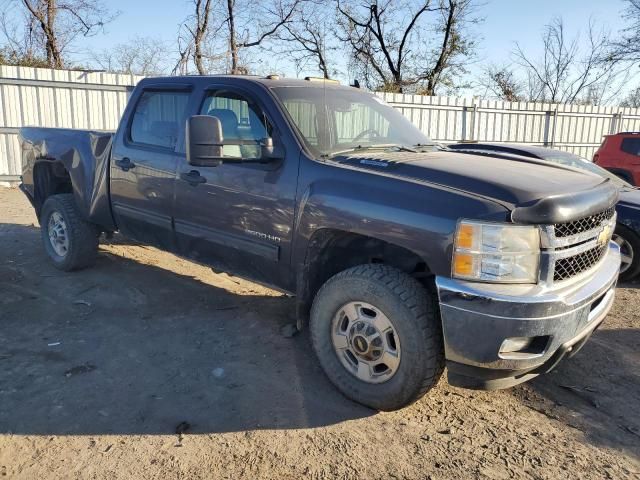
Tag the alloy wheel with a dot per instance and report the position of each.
(366, 342)
(58, 236)
(626, 252)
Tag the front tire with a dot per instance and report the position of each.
(629, 244)
(70, 241)
(377, 334)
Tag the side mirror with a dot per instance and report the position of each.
(204, 141)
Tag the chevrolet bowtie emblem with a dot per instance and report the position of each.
(604, 236)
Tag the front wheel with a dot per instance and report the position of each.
(70, 241)
(629, 244)
(377, 335)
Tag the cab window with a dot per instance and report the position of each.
(244, 124)
(158, 117)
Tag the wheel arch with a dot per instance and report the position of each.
(50, 177)
(630, 235)
(330, 251)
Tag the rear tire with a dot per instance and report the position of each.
(378, 295)
(70, 241)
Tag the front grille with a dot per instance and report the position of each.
(571, 248)
(566, 268)
(584, 224)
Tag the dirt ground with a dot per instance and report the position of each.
(100, 368)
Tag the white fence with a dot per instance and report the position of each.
(56, 98)
(575, 128)
(76, 99)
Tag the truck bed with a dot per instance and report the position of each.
(84, 154)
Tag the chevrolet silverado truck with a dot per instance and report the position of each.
(403, 257)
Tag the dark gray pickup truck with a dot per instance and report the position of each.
(404, 257)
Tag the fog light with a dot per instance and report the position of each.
(515, 344)
(522, 348)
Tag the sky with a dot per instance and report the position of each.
(523, 21)
(505, 22)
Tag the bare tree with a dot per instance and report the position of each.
(244, 17)
(51, 26)
(138, 56)
(632, 99)
(364, 25)
(627, 46)
(310, 29)
(455, 45)
(8, 56)
(194, 37)
(200, 30)
(16, 37)
(391, 46)
(215, 37)
(570, 70)
(502, 83)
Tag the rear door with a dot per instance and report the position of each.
(239, 217)
(144, 162)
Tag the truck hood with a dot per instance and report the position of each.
(535, 190)
(629, 198)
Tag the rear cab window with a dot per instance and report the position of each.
(158, 118)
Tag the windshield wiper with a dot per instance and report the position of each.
(381, 146)
(423, 145)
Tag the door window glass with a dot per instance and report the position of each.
(158, 118)
(244, 125)
(631, 145)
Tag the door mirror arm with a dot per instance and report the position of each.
(267, 150)
(270, 153)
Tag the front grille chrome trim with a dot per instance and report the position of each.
(591, 222)
(549, 238)
(575, 250)
(555, 249)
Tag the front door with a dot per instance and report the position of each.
(238, 217)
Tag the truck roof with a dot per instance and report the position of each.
(270, 81)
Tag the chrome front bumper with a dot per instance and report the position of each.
(478, 318)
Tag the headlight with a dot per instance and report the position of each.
(493, 252)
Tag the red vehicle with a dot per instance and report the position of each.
(620, 154)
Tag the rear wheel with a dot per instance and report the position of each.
(70, 242)
(629, 244)
(377, 334)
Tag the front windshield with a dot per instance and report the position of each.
(334, 120)
(572, 160)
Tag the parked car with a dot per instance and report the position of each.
(402, 256)
(620, 154)
(627, 232)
